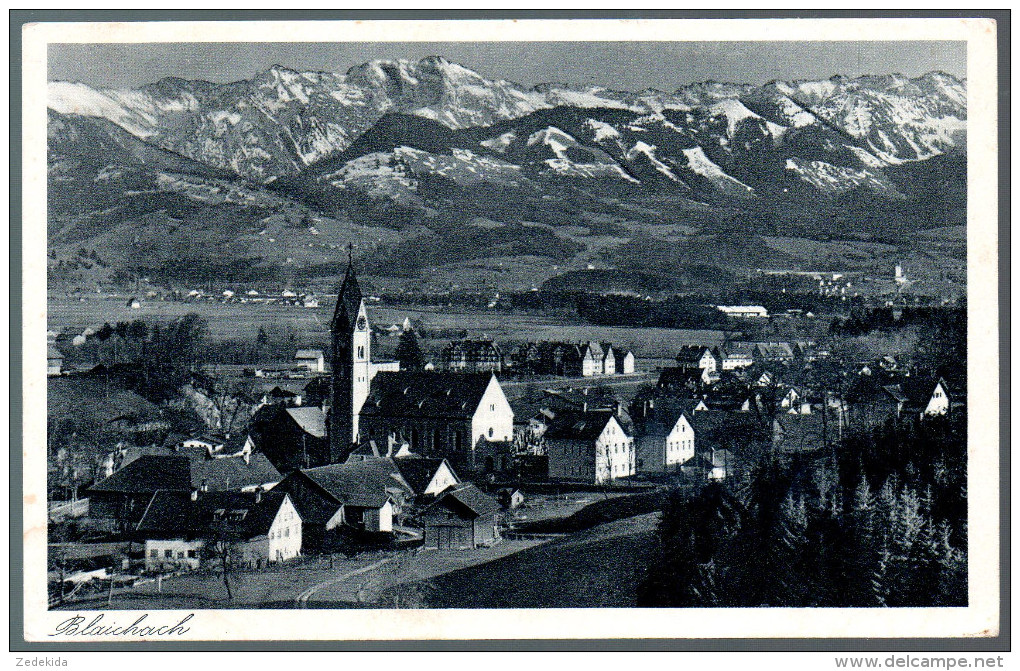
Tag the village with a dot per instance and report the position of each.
(340, 480)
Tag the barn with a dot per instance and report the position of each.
(462, 518)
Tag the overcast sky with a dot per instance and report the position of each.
(629, 66)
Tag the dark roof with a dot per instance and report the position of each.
(799, 432)
(472, 348)
(250, 514)
(896, 391)
(367, 483)
(664, 415)
(578, 425)
(149, 473)
(348, 301)
(419, 471)
(468, 498)
(425, 394)
(680, 377)
(742, 349)
(169, 515)
(690, 353)
(227, 473)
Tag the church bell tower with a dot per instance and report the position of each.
(351, 363)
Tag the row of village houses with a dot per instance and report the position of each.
(374, 454)
(176, 499)
(584, 359)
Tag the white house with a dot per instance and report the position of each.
(624, 362)
(589, 446)
(737, 355)
(592, 358)
(944, 398)
(251, 528)
(694, 356)
(608, 360)
(664, 440)
(312, 360)
(213, 443)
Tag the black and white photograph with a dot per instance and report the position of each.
(380, 325)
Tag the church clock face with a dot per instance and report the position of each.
(362, 323)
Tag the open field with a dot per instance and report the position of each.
(242, 320)
(598, 568)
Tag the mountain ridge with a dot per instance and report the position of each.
(431, 145)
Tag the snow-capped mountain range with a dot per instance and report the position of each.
(418, 134)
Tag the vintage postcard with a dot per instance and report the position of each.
(510, 329)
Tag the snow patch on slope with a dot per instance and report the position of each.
(648, 151)
(837, 179)
(702, 165)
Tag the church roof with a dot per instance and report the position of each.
(425, 394)
(348, 300)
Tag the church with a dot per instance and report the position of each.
(459, 416)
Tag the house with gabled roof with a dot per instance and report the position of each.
(664, 436)
(735, 355)
(362, 496)
(590, 446)
(608, 359)
(624, 361)
(120, 499)
(473, 356)
(697, 356)
(312, 360)
(256, 528)
(291, 437)
(947, 396)
(462, 518)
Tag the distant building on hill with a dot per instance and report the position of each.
(743, 311)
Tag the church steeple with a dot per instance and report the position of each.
(348, 301)
(351, 363)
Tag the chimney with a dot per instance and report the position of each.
(258, 495)
(247, 457)
(205, 484)
(194, 495)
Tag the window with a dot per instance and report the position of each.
(286, 532)
(490, 432)
(492, 407)
(153, 553)
(180, 554)
(361, 351)
(192, 554)
(168, 554)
